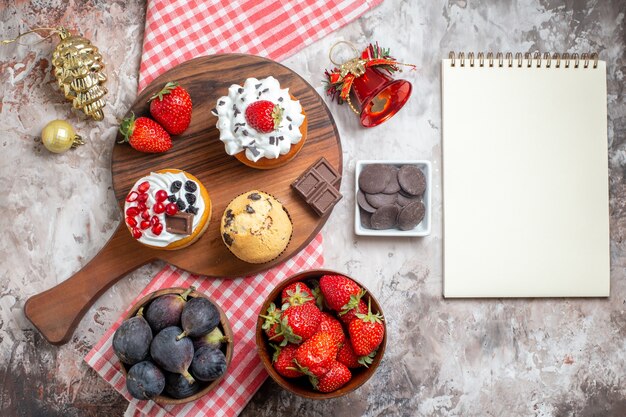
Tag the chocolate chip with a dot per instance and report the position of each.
(236, 113)
(220, 103)
(190, 186)
(412, 180)
(385, 217)
(172, 198)
(229, 217)
(191, 198)
(411, 215)
(175, 187)
(265, 90)
(245, 132)
(374, 178)
(404, 200)
(280, 99)
(254, 150)
(281, 138)
(192, 209)
(289, 127)
(272, 140)
(380, 199)
(363, 204)
(258, 86)
(254, 196)
(249, 209)
(228, 239)
(240, 90)
(181, 204)
(288, 118)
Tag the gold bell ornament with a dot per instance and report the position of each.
(79, 71)
(58, 136)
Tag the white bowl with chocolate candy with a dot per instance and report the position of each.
(392, 198)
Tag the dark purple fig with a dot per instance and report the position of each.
(213, 339)
(208, 364)
(172, 354)
(177, 386)
(165, 310)
(145, 381)
(199, 317)
(131, 341)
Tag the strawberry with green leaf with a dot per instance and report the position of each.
(271, 325)
(366, 332)
(145, 135)
(172, 107)
(300, 322)
(341, 293)
(337, 376)
(295, 294)
(282, 361)
(347, 356)
(315, 356)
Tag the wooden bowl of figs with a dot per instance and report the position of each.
(174, 345)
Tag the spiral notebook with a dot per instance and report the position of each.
(525, 176)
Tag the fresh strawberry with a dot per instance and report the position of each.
(264, 116)
(347, 356)
(299, 323)
(347, 316)
(315, 356)
(145, 135)
(340, 293)
(171, 107)
(296, 294)
(337, 376)
(331, 325)
(271, 325)
(366, 332)
(282, 361)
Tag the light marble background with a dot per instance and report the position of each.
(451, 358)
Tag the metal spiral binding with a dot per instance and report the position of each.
(536, 59)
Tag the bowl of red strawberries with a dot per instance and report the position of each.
(321, 334)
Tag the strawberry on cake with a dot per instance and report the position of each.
(262, 125)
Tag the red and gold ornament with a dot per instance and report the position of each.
(368, 77)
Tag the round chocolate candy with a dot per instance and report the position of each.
(411, 215)
(412, 180)
(380, 199)
(385, 217)
(366, 219)
(403, 200)
(374, 178)
(360, 198)
(393, 186)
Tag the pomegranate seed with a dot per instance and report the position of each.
(141, 207)
(131, 221)
(144, 224)
(145, 214)
(154, 220)
(171, 209)
(132, 196)
(137, 233)
(132, 211)
(143, 187)
(161, 195)
(157, 229)
(158, 208)
(142, 198)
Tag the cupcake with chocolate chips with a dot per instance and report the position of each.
(168, 209)
(255, 227)
(260, 124)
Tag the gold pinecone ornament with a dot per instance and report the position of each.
(79, 70)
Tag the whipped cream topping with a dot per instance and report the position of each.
(163, 181)
(238, 136)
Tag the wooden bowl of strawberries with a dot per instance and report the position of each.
(321, 334)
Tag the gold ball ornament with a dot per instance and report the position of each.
(58, 136)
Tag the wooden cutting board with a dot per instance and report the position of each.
(57, 311)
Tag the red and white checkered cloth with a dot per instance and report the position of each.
(179, 30)
(241, 300)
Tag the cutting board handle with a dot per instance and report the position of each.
(57, 311)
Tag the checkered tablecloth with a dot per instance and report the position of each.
(177, 31)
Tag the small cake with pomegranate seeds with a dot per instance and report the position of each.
(168, 209)
(260, 123)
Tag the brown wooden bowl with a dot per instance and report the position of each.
(227, 347)
(301, 386)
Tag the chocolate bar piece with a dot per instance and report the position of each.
(324, 198)
(180, 223)
(326, 170)
(319, 186)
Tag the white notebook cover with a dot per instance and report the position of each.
(525, 181)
